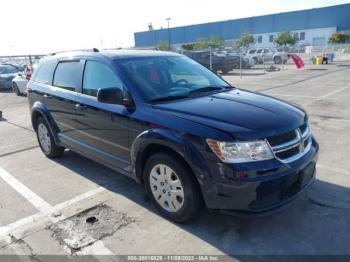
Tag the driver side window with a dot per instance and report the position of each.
(98, 75)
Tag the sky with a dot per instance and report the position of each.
(42, 26)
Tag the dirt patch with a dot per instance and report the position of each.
(89, 226)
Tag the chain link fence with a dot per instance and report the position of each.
(259, 61)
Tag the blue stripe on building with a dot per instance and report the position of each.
(333, 16)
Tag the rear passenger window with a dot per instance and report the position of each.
(66, 75)
(44, 73)
(98, 75)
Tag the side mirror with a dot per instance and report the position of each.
(113, 96)
(20, 74)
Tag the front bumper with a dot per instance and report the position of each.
(263, 193)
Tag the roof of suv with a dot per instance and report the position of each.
(117, 54)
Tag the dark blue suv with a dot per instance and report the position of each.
(170, 123)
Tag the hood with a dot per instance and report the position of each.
(244, 115)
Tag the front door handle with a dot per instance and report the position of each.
(47, 96)
(80, 106)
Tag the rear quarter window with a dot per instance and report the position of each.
(67, 75)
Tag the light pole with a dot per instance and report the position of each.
(168, 19)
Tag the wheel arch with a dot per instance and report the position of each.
(157, 140)
(39, 110)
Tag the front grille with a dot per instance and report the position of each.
(276, 140)
(291, 145)
(303, 128)
(288, 153)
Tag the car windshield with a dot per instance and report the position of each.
(171, 77)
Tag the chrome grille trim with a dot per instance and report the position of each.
(298, 141)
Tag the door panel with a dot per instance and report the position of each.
(61, 104)
(102, 126)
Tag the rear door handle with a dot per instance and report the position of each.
(47, 96)
(80, 106)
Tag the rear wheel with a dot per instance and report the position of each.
(277, 60)
(171, 187)
(15, 89)
(46, 141)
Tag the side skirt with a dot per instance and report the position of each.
(96, 155)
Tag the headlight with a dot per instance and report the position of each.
(240, 152)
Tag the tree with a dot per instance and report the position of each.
(245, 40)
(163, 46)
(286, 38)
(339, 38)
(200, 44)
(187, 46)
(216, 42)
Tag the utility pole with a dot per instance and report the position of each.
(169, 42)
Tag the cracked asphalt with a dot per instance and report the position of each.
(37, 193)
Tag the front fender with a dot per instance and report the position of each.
(39, 109)
(172, 140)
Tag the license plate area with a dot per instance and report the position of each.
(302, 178)
(306, 174)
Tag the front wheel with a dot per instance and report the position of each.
(171, 187)
(46, 142)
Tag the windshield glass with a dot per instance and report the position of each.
(170, 76)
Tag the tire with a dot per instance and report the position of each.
(277, 60)
(15, 89)
(181, 206)
(225, 71)
(46, 140)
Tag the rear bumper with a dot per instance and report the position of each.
(265, 193)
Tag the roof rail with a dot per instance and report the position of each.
(75, 50)
(130, 48)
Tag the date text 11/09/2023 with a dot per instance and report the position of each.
(173, 258)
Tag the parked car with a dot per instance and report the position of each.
(170, 123)
(247, 62)
(19, 83)
(219, 62)
(7, 73)
(262, 55)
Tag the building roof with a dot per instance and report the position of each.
(333, 16)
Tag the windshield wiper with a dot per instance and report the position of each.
(167, 98)
(208, 89)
